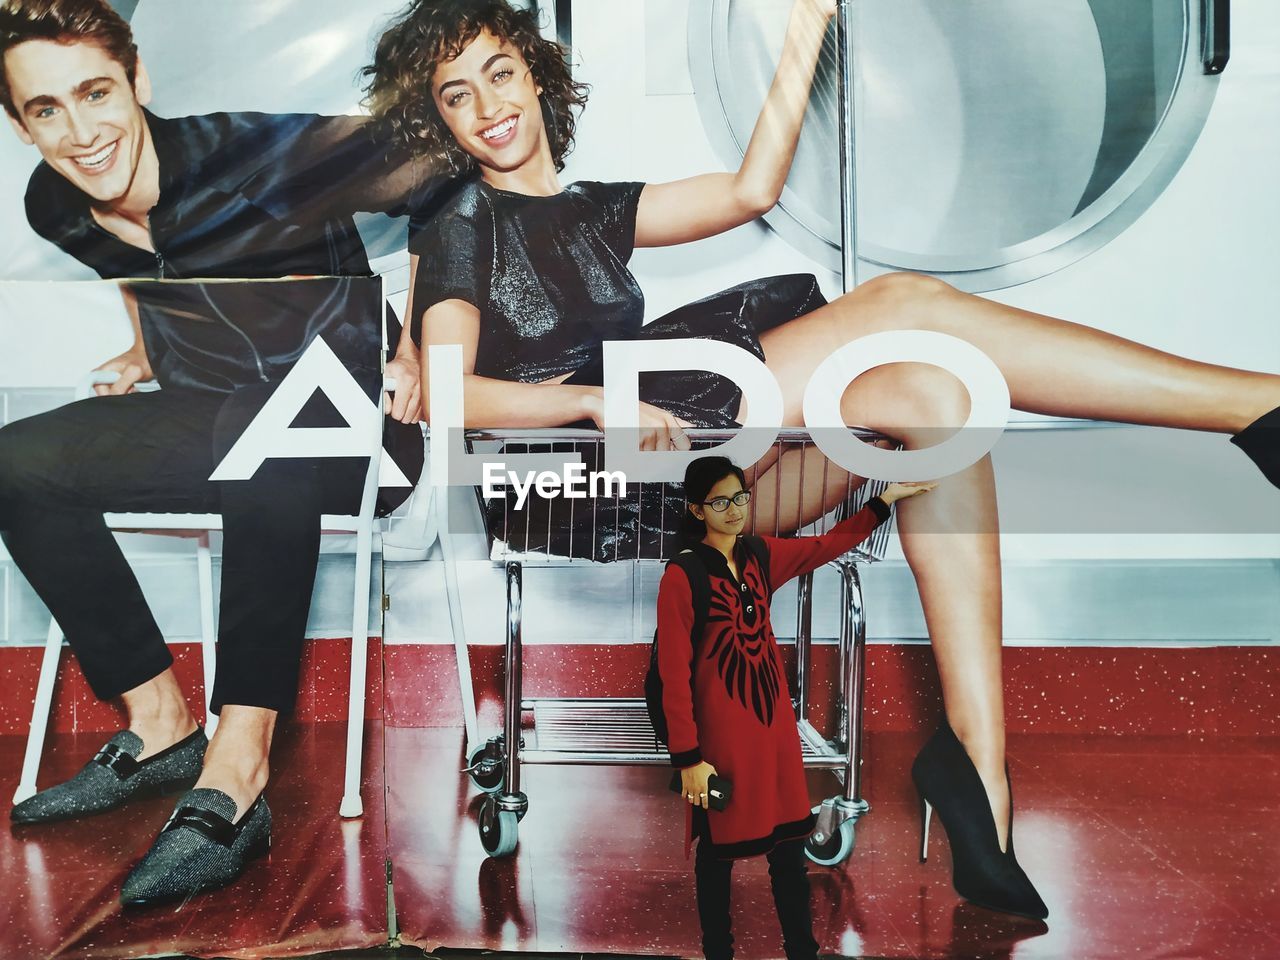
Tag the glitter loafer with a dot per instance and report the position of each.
(114, 777)
(199, 849)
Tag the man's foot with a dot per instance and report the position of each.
(202, 847)
(115, 776)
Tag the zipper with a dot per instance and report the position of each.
(204, 292)
(257, 357)
(155, 250)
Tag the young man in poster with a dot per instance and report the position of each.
(243, 196)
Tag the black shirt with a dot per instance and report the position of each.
(548, 274)
(247, 196)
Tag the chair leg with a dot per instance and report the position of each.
(40, 713)
(352, 806)
(466, 687)
(208, 632)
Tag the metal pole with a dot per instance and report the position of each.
(853, 638)
(848, 159)
(804, 644)
(512, 690)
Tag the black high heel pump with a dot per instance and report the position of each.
(981, 872)
(1261, 441)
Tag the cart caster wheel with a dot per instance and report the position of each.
(486, 769)
(832, 850)
(498, 829)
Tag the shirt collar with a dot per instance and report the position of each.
(715, 561)
(171, 159)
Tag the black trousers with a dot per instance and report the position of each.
(153, 452)
(789, 878)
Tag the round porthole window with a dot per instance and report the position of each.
(996, 141)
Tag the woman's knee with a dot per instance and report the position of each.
(900, 293)
(909, 401)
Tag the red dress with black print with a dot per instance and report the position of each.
(737, 715)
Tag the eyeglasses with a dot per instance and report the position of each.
(721, 504)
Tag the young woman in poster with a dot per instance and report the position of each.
(727, 707)
(529, 276)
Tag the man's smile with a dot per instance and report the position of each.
(99, 161)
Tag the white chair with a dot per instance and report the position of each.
(198, 527)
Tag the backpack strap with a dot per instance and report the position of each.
(758, 548)
(699, 587)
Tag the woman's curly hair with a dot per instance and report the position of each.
(432, 32)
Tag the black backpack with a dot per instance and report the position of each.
(700, 586)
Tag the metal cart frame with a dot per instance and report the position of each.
(563, 727)
(496, 768)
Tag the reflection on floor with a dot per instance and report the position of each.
(1142, 847)
(323, 886)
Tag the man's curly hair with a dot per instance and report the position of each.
(432, 32)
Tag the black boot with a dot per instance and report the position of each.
(712, 879)
(981, 872)
(789, 879)
(1261, 441)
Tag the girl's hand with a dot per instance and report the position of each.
(693, 783)
(901, 491)
(659, 430)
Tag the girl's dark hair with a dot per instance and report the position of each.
(431, 32)
(699, 477)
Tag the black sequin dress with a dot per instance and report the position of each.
(549, 277)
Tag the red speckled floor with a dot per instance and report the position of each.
(1143, 847)
(323, 886)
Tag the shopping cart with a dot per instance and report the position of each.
(617, 731)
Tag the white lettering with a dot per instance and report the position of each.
(269, 435)
(548, 484)
(625, 360)
(608, 483)
(522, 492)
(575, 481)
(571, 482)
(988, 405)
(494, 474)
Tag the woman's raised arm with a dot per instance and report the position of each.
(706, 205)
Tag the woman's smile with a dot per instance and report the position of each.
(502, 133)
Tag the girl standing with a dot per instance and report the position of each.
(726, 701)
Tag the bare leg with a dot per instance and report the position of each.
(1053, 366)
(236, 761)
(950, 537)
(794, 490)
(158, 713)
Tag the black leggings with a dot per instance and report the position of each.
(789, 878)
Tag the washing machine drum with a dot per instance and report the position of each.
(997, 140)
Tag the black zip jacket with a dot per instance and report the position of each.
(248, 196)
